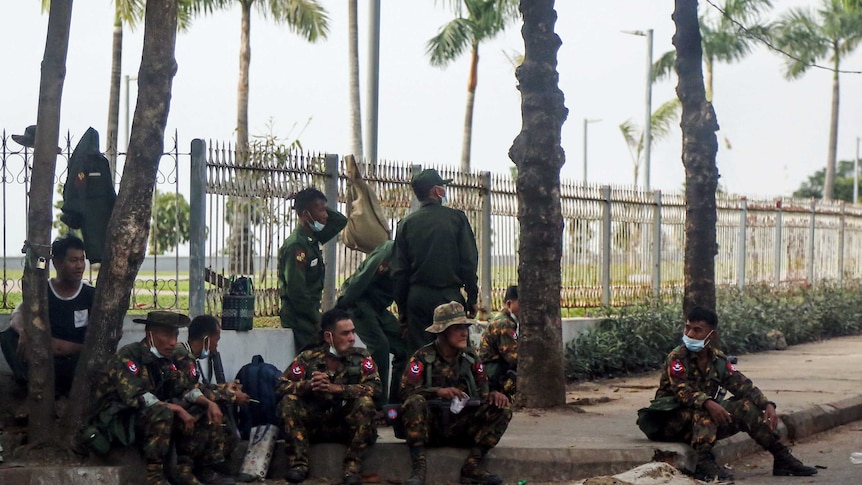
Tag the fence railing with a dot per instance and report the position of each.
(620, 244)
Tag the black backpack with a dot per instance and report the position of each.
(259, 381)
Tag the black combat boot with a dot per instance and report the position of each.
(472, 473)
(352, 470)
(183, 474)
(208, 476)
(156, 474)
(417, 460)
(708, 470)
(296, 474)
(786, 465)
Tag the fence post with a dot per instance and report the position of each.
(330, 186)
(414, 202)
(197, 227)
(778, 247)
(656, 224)
(485, 241)
(811, 223)
(841, 241)
(740, 254)
(606, 245)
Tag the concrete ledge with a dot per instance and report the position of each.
(817, 419)
(81, 475)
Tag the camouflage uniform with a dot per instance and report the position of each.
(300, 277)
(499, 352)
(347, 417)
(686, 386)
(142, 383)
(428, 371)
(217, 393)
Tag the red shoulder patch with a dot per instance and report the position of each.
(192, 370)
(731, 368)
(173, 367)
(415, 371)
(368, 366)
(296, 372)
(383, 268)
(133, 368)
(480, 371)
(300, 256)
(677, 369)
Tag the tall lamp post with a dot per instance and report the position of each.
(856, 174)
(648, 123)
(586, 123)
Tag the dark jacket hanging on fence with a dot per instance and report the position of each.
(88, 196)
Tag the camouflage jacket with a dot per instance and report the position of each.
(683, 380)
(356, 371)
(188, 363)
(428, 371)
(500, 342)
(140, 379)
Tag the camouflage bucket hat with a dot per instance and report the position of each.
(164, 319)
(448, 314)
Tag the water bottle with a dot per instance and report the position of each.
(856, 458)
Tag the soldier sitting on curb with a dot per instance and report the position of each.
(689, 406)
(327, 394)
(447, 369)
(145, 388)
(499, 348)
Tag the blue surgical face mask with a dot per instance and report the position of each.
(444, 200)
(332, 347)
(316, 226)
(694, 345)
(154, 350)
(205, 352)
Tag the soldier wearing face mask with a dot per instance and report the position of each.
(690, 405)
(300, 264)
(327, 395)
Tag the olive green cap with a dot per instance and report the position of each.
(164, 319)
(424, 180)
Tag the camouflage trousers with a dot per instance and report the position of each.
(157, 424)
(427, 426)
(349, 422)
(696, 427)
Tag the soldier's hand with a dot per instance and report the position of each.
(319, 381)
(187, 419)
(241, 398)
(498, 399)
(771, 417)
(451, 393)
(214, 414)
(718, 413)
(472, 311)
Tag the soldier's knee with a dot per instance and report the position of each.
(365, 404)
(414, 402)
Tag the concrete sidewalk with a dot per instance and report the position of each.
(816, 386)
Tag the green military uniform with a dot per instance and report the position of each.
(217, 393)
(435, 257)
(300, 277)
(499, 352)
(142, 384)
(428, 371)
(678, 413)
(347, 417)
(367, 295)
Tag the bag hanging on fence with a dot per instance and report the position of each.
(366, 224)
(261, 444)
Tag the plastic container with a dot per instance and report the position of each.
(856, 458)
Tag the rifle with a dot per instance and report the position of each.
(217, 368)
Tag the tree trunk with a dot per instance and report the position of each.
(539, 157)
(40, 400)
(128, 228)
(699, 146)
(240, 261)
(467, 143)
(114, 96)
(353, 59)
(829, 182)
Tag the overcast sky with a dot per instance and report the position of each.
(778, 129)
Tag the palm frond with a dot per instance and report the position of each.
(633, 138)
(450, 42)
(664, 66)
(307, 18)
(799, 33)
(662, 118)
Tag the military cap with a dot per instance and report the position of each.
(28, 139)
(448, 314)
(164, 319)
(426, 179)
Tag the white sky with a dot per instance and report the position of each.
(778, 129)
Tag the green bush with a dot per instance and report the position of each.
(639, 337)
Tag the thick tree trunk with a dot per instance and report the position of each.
(129, 226)
(539, 157)
(699, 146)
(353, 59)
(467, 142)
(829, 182)
(40, 400)
(114, 95)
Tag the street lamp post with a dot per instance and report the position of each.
(586, 122)
(856, 174)
(648, 123)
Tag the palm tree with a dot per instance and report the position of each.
(307, 18)
(831, 33)
(485, 19)
(721, 39)
(353, 60)
(660, 125)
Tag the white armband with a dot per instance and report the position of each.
(193, 395)
(149, 399)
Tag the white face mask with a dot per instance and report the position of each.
(154, 350)
(316, 226)
(694, 345)
(332, 347)
(205, 352)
